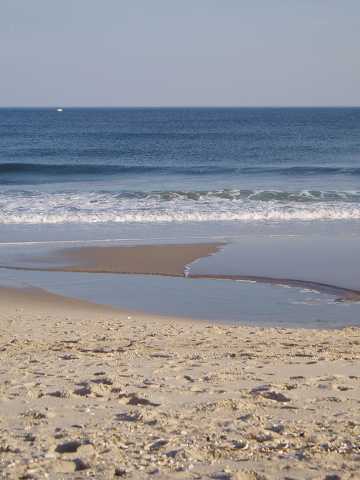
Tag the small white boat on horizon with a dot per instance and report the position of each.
(59, 110)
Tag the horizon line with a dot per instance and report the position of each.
(170, 106)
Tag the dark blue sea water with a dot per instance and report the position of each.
(179, 166)
(281, 186)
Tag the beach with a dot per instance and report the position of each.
(91, 391)
(179, 293)
(179, 240)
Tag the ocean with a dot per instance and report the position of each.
(126, 166)
(281, 185)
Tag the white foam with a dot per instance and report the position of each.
(55, 208)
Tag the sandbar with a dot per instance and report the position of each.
(165, 259)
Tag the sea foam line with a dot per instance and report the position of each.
(268, 215)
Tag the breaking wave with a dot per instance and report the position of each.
(178, 206)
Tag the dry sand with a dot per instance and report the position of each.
(92, 392)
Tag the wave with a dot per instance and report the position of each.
(307, 170)
(174, 206)
(49, 169)
(179, 217)
(303, 196)
(96, 169)
(71, 169)
(234, 195)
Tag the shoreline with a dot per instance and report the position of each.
(167, 260)
(90, 390)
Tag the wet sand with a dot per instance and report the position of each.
(342, 294)
(167, 260)
(94, 392)
(170, 260)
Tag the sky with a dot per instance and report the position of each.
(179, 53)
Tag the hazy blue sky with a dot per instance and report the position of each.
(184, 52)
